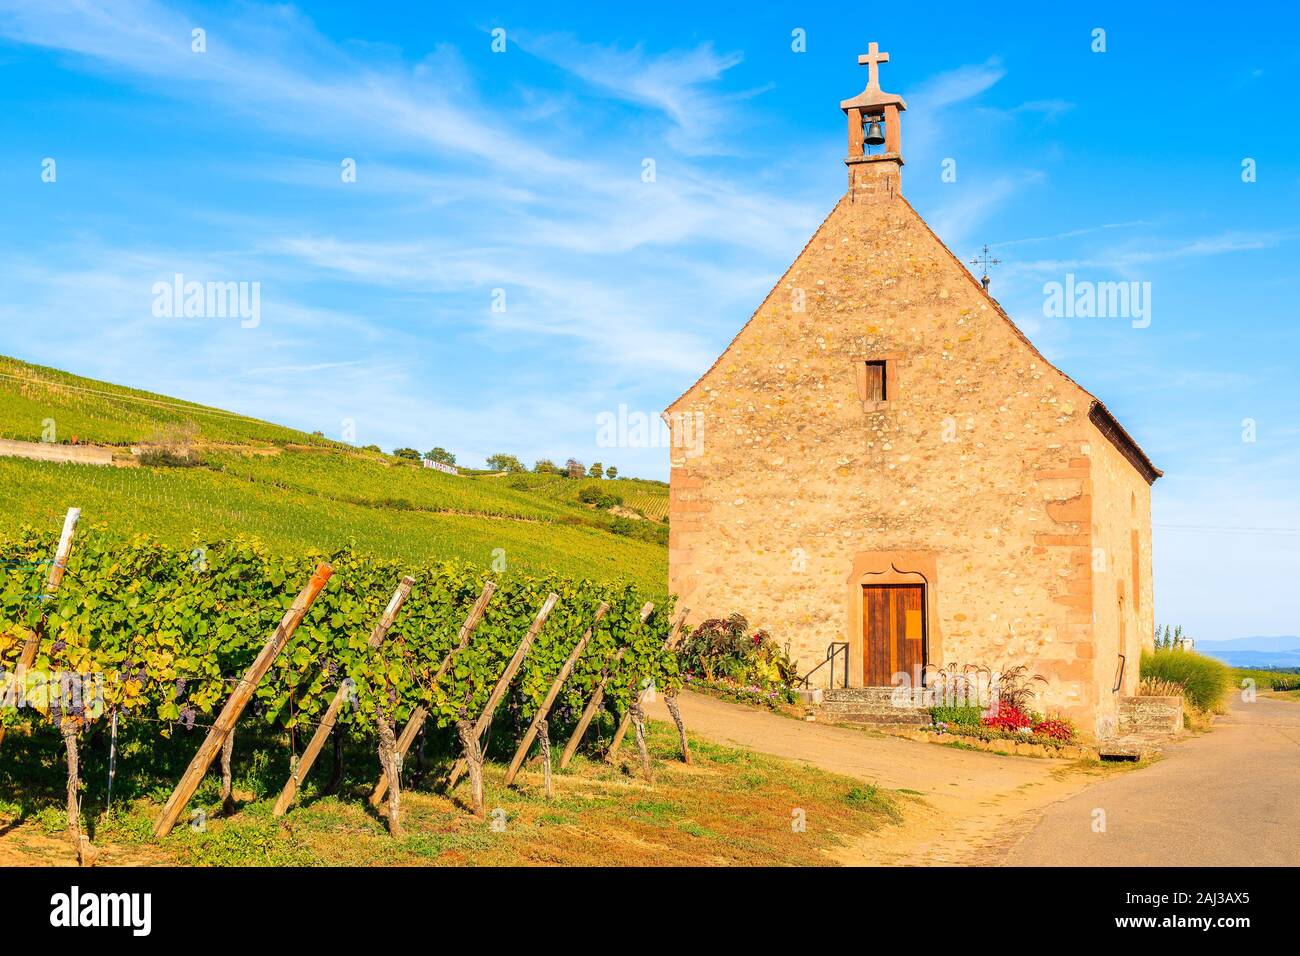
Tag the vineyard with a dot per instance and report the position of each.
(159, 640)
(113, 414)
(298, 492)
(650, 504)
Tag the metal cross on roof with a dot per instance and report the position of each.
(985, 262)
(872, 60)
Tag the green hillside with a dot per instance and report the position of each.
(298, 492)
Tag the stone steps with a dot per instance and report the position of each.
(899, 718)
(1131, 747)
(869, 705)
(1150, 716)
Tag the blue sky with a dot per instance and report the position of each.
(522, 171)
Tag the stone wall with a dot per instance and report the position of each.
(48, 451)
(1122, 590)
(974, 474)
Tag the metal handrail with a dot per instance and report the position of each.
(832, 652)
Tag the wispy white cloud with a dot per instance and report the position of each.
(1048, 109)
(1152, 250)
(675, 83)
(273, 66)
(1072, 233)
(957, 86)
(956, 219)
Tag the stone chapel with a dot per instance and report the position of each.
(887, 472)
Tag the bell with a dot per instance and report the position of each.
(875, 135)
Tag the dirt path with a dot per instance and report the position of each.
(977, 805)
(1227, 798)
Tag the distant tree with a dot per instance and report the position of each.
(574, 468)
(611, 472)
(598, 496)
(544, 466)
(504, 462)
(440, 454)
(372, 448)
(408, 453)
(597, 470)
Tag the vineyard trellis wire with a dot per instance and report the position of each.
(163, 628)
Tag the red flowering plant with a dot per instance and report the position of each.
(1055, 728)
(1009, 717)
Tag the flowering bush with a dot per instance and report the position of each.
(1009, 717)
(1057, 728)
(726, 649)
(773, 696)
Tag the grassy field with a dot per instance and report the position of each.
(298, 492)
(729, 807)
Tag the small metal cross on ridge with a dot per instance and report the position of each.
(985, 262)
(872, 60)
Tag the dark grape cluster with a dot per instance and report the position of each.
(187, 717)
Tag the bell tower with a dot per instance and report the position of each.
(875, 157)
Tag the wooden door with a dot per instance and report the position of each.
(893, 632)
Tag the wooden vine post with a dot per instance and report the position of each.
(539, 719)
(421, 714)
(227, 774)
(238, 700)
(674, 638)
(69, 725)
(69, 694)
(390, 763)
(597, 696)
(670, 701)
(471, 735)
(31, 646)
(326, 726)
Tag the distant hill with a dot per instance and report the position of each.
(299, 492)
(1282, 651)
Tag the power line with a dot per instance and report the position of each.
(1227, 529)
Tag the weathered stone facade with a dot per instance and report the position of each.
(984, 474)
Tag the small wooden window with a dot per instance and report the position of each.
(877, 384)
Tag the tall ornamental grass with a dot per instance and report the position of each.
(1204, 681)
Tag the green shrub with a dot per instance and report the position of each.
(1205, 681)
(726, 649)
(595, 495)
(165, 458)
(962, 716)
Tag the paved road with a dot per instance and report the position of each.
(1229, 797)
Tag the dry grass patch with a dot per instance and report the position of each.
(731, 807)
